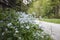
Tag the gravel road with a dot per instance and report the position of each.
(51, 28)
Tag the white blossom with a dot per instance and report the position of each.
(3, 33)
(16, 31)
(24, 18)
(20, 38)
(9, 24)
(27, 27)
(42, 36)
(22, 26)
(26, 2)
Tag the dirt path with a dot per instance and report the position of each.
(51, 28)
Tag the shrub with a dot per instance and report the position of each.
(21, 27)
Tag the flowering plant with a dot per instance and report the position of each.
(22, 27)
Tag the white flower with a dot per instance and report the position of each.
(25, 2)
(19, 38)
(25, 18)
(27, 27)
(42, 36)
(22, 26)
(9, 24)
(3, 33)
(16, 31)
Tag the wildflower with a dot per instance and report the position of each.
(27, 27)
(9, 24)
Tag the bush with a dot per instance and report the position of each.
(21, 27)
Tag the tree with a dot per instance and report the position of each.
(8, 3)
(18, 5)
(55, 5)
(40, 7)
(45, 8)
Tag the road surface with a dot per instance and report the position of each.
(51, 28)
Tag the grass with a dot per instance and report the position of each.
(52, 20)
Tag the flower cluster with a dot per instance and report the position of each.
(24, 18)
(25, 28)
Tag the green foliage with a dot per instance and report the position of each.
(7, 17)
(52, 20)
(12, 29)
(45, 8)
(40, 7)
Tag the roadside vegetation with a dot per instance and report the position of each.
(52, 20)
(15, 24)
